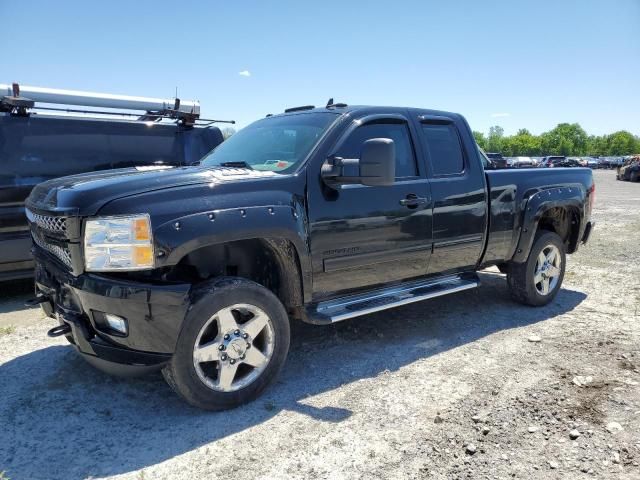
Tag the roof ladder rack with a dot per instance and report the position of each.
(18, 99)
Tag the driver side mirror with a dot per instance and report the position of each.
(376, 165)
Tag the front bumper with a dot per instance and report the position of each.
(154, 315)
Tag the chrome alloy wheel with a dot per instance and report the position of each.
(234, 347)
(548, 269)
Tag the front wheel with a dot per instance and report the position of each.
(537, 281)
(233, 344)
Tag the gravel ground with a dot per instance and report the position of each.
(465, 386)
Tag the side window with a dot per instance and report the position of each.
(133, 144)
(442, 145)
(398, 132)
(45, 147)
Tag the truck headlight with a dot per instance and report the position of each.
(118, 243)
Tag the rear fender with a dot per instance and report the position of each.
(573, 197)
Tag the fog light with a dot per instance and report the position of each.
(111, 323)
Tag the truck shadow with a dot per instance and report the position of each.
(14, 294)
(63, 419)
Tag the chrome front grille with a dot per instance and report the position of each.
(61, 253)
(51, 224)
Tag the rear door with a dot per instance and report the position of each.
(362, 236)
(458, 190)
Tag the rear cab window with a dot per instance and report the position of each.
(441, 143)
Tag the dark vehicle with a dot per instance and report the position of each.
(498, 160)
(35, 147)
(629, 170)
(560, 161)
(550, 160)
(318, 214)
(593, 163)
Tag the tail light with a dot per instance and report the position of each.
(592, 196)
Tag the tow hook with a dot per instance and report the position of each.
(37, 300)
(59, 330)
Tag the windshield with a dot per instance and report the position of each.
(275, 144)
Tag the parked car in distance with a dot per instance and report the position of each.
(38, 147)
(567, 163)
(498, 160)
(551, 160)
(579, 160)
(630, 170)
(522, 162)
(317, 214)
(592, 163)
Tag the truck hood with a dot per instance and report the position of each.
(85, 194)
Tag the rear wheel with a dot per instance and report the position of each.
(233, 344)
(537, 281)
(633, 176)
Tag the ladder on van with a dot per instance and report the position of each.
(21, 100)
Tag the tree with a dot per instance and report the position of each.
(227, 132)
(494, 139)
(565, 139)
(523, 143)
(622, 143)
(480, 140)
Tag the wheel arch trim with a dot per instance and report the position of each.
(277, 225)
(567, 197)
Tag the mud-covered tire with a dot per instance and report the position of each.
(520, 277)
(208, 300)
(634, 176)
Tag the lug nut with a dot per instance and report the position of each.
(245, 335)
(236, 333)
(226, 337)
(223, 357)
(242, 356)
(232, 361)
(248, 345)
(221, 347)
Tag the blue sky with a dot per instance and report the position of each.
(516, 64)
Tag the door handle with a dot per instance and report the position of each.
(412, 201)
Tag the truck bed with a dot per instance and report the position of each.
(509, 192)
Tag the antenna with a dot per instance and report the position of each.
(330, 104)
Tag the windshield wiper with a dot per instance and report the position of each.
(236, 165)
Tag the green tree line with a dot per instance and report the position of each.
(564, 139)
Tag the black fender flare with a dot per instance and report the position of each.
(181, 236)
(540, 202)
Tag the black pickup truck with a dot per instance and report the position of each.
(318, 214)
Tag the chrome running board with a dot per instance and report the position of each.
(338, 309)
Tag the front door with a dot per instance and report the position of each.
(362, 236)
